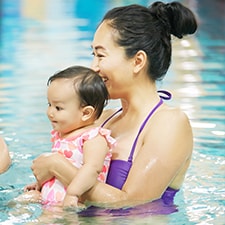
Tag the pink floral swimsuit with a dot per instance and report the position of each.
(53, 190)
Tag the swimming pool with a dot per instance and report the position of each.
(42, 37)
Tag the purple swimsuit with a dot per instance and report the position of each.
(119, 169)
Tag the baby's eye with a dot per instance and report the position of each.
(49, 104)
(58, 108)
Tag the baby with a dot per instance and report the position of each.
(76, 98)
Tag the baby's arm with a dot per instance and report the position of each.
(95, 151)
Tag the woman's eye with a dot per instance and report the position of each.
(100, 55)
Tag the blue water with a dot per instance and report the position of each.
(39, 37)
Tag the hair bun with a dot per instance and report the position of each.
(175, 18)
(159, 11)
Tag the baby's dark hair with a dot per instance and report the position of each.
(149, 29)
(88, 85)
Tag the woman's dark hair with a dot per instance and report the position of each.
(88, 85)
(149, 29)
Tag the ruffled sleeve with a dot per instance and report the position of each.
(99, 131)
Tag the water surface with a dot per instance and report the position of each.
(40, 37)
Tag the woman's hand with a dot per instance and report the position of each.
(42, 167)
(49, 165)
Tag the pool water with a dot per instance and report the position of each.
(39, 37)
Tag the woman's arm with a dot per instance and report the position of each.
(161, 161)
(5, 159)
(50, 165)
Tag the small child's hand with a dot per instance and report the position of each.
(33, 186)
(70, 201)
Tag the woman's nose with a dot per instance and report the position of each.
(95, 66)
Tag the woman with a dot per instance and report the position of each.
(5, 159)
(132, 50)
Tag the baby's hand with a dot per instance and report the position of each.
(33, 186)
(70, 201)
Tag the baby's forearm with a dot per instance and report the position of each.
(83, 181)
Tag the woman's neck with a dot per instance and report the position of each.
(140, 99)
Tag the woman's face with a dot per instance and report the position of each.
(111, 62)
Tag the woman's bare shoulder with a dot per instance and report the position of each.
(172, 115)
(172, 125)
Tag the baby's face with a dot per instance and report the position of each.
(64, 109)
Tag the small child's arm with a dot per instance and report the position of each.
(95, 151)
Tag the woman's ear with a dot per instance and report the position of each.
(87, 112)
(140, 60)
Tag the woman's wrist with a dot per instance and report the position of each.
(61, 168)
(53, 164)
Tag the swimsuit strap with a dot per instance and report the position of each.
(166, 94)
(111, 117)
(130, 159)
